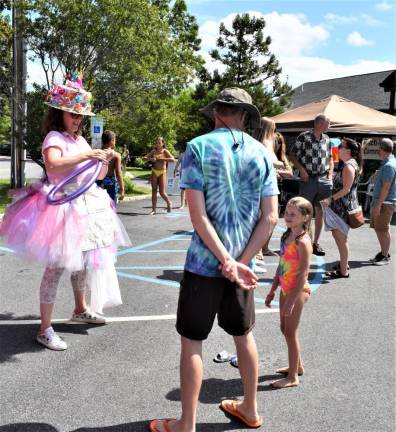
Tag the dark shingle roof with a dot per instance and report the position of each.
(363, 89)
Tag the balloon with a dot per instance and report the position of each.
(66, 198)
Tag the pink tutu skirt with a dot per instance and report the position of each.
(82, 233)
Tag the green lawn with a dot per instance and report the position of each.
(4, 199)
(139, 173)
(5, 186)
(139, 190)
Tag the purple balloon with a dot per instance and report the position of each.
(66, 198)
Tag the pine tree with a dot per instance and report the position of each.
(245, 52)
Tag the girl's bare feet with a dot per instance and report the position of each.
(285, 383)
(285, 371)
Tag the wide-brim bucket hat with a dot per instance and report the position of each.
(235, 96)
(71, 96)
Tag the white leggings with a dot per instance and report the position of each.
(50, 282)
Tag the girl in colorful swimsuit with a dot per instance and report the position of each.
(159, 157)
(80, 235)
(292, 276)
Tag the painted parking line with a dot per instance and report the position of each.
(117, 319)
(128, 272)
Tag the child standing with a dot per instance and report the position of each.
(159, 157)
(179, 171)
(80, 235)
(113, 182)
(292, 276)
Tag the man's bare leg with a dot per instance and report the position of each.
(248, 368)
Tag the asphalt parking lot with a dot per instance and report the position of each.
(116, 377)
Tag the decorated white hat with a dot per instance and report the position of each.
(71, 96)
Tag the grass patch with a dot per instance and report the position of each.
(130, 190)
(4, 199)
(139, 190)
(139, 173)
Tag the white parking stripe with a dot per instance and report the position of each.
(117, 319)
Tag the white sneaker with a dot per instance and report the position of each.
(51, 340)
(88, 317)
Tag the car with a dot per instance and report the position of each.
(5, 149)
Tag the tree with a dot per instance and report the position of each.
(5, 73)
(249, 64)
(136, 56)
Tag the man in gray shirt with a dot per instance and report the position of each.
(311, 155)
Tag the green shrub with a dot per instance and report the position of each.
(139, 162)
(129, 186)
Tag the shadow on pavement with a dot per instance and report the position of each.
(213, 390)
(18, 339)
(10, 316)
(132, 213)
(172, 275)
(139, 426)
(28, 427)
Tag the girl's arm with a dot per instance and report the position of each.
(119, 175)
(56, 163)
(305, 251)
(271, 294)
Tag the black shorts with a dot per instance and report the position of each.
(202, 297)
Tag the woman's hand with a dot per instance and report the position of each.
(326, 202)
(110, 154)
(98, 155)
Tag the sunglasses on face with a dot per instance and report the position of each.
(75, 116)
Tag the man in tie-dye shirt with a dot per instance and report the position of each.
(232, 193)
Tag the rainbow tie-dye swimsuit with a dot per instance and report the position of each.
(289, 267)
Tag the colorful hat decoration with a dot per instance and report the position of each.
(71, 96)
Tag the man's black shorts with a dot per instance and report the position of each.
(202, 297)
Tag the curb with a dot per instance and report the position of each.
(135, 198)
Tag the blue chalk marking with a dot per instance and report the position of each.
(316, 282)
(149, 279)
(6, 249)
(146, 245)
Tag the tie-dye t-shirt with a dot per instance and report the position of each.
(233, 180)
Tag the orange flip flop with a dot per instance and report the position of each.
(230, 407)
(154, 423)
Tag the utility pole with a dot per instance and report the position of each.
(18, 99)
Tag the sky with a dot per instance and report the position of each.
(312, 39)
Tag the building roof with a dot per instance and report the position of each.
(364, 89)
(346, 117)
